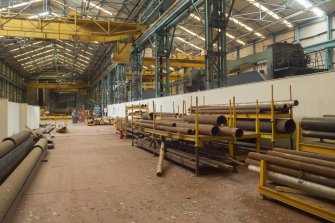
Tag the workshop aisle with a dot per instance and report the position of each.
(93, 176)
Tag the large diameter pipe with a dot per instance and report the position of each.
(252, 111)
(147, 116)
(322, 124)
(204, 129)
(19, 138)
(295, 173)
(12, 159)
(5, 147)
(283, 126)
(12, 186)
(304, 185)
(312, 168)
(187, 131)
(42, 144)
(227, 131)
(307, 154)
(318, 134)
(207, 119)
(302, 159)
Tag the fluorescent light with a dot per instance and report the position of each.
(191, 44)
(269, 12)
(179, 50)
(100, 8)
(38, 15)
(19, 5)
(309, 5)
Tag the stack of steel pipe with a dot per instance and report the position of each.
(283, 126)
(212, 125)
(19, 160)
(247, 108)
(311, 173)
(150, 115)
(322, 127)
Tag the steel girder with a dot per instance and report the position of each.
(215, 31)
(163, 45)
(136, 59)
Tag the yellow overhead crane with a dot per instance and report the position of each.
(67, 28)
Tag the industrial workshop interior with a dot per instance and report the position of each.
(140, 111)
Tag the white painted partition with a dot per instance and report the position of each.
(14, 117)
(315, 92)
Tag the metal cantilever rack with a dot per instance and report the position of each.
(198, 140)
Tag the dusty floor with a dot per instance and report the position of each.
(93, 176)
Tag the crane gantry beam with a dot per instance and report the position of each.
(67, 28)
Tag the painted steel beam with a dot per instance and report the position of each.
(55, 86)
(148, 61)
(65, 28)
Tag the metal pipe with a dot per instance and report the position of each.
(207, 119)
(5, 147)
(159, 171)
(302, 159)
(12, 159)
(322, 124)
(158, 122)
(19, 138)
(307, 186)
(320, 170)
(16, 183)
(228, 131)
(318, 134)
(187, 131)
(295, 173)
(203, 128)
(278, 105)
(251, 111)
(283, 126)
(147, 116)
(307, 154)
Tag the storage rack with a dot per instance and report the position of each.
(198, 140)
(140, 108)
(322, 147)
(313, 206)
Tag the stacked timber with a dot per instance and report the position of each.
(212, 125)
(321, 127)
(280, 107)
(299, 172)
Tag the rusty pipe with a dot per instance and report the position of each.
(204, 129)
(5, 147)
(307, 154)
(207, 119)
(228, 131)
(159, 122)
(187, 131)
(283, 126)
(302, 159)
(295, 173)
(312, 168)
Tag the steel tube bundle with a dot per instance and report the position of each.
(207, 119)
(227, 131)
(295, 173)
(307, 186)
(251, 111)
(204, 129)
(283, 126)
(13, 187)
(187, 131)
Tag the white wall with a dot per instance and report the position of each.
(14, 117)
(315, 93)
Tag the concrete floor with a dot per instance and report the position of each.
(93, 176)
